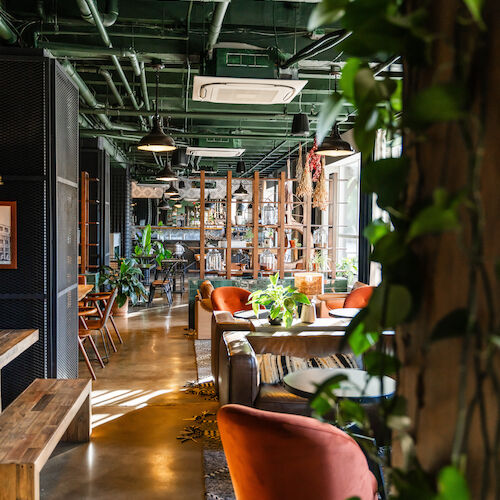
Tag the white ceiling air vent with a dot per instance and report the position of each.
(215, 152)
(245, 90)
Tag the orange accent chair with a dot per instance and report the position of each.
(275, 455)
(230, 299)
(358, 298)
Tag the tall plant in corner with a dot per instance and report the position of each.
(439, 251)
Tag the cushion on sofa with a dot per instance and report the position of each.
(273, 368)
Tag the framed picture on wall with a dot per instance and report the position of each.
(8, 235)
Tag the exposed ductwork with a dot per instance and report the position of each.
(108, 19)
(111, 84)
(216, 25)
(6, 33)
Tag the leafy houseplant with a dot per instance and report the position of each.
(348, 268)
(282, 301)
(319, 261)
(127, 280)
(147, 249)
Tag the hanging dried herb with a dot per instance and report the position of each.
(305, 182)
(320, 196)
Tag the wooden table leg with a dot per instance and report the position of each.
(19, 482)
(80, 428)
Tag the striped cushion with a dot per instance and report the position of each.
(273, 367)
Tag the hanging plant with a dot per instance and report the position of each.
(320, 195)
(305, 181)
(314, 161)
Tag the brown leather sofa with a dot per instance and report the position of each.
(223, 321)
(238, 371)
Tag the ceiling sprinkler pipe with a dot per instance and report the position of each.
(6, 33)
(216, 25)
(111, 84)
(107, 19)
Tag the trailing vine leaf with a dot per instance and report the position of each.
(475, 7)
(378, 363)
(330, 110)
(375, 230)
(390, 304)
(432, 220)
(454, 324)
(389, 249)
(495, 340)
(321, 402)
(386, 178)
(349, 72)
(326, 12)
(351, 412)
(452, 485)
(439, 103)
(361, 340)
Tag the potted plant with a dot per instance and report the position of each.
(249, 237)
(319, 261)
(347, 269)
(280, 300)
(146, 250)
(127, 279)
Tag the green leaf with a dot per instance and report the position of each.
(289, 304)
(390, 304)
(379, 364)
(439, 103)
(452, 485)
(326, 12)
(475, 7)
(366, 88)
(454, 324)
(330, 110)
(301, 298)
(274, 279)
(350, 411)
(375, 230)
(433, 220)
(361, 340)
(324, 400)
(364, 139)
(288, 318)
(495, 340)
(349, 72)
(386, 178)
(389, 249)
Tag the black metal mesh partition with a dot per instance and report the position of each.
(120, 207)
(38, 131)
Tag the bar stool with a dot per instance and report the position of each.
(84, 334)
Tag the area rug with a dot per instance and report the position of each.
(203, 428)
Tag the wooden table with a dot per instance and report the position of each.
(321, 324)
(12, 344)
(83, 291)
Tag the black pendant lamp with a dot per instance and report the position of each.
(240, 167)
(300, 124)
(241, 191)
(163, 204)
(335, 145)
(178, 204)
(171, 191)
(180, 158)
(166, 174)
(156, 140)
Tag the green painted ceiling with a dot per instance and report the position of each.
(176, 32)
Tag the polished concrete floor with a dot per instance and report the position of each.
(139, 408)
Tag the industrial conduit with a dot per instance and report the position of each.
(105, 38)
(107, 19)
(216, 25)
(6, 33)
(111, 84)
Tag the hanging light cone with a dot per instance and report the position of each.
(240, 167)
(300, 124)
(335, 145)
(182, 184)
(167, 174)
(178, 204)
(171, 191)
(156, 140)
(163, 204)
(241, 191)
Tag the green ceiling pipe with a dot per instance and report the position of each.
(105, 38)
(111, 84)
(216, 25)
(108, 19)
(6, 33)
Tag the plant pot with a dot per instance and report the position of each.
(120, 311)
(275, 321)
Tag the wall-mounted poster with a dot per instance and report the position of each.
(8, 235)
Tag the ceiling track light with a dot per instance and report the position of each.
(335, 145)
(156, 140)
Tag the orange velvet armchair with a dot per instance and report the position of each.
(274, 455)
(230, 299)
(358, 298)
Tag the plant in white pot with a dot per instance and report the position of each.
(280, 300)
(127, 279)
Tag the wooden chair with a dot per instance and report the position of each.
(97, 298)
(99, 324)
(84, 334)
(165, 284)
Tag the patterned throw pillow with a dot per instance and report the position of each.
(273, 367)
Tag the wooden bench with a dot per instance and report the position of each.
(46, 412)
